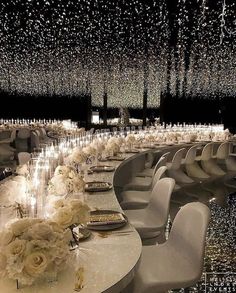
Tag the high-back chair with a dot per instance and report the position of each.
(208, 163)
(230, 160)
(192, 167)
(149, 168)
(34, 141)
(145, 183)
(178, 263)
(23, 157)
(22, 140)
(174, 168)
(150, 222)
(134, 199)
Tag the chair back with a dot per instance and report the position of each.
(149, 160)
(188, 234)
(23, 157)
(177, 159)
(160, 198)
(13, 135)
(158, 175)
(23, 133)
(34, 140)
(161, 162)
(38, 132)
(207, 152)
(191, 155)
(43, 132)
(223, 151)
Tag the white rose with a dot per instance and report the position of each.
(16, 247)
(61, 252)
(79, 156)
(22, 225)
(19, 179)
(6, 236)
(80, 211)
(83, 215)
(61, 170)
(59, 203)
(40, 231)
(55, 227)
(64, 217)
(35, 263)
(8, 192)
(22, 170)
(90, 151)
(59, 186)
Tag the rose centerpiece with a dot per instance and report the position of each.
(65, 181)
(70, 213)
(13, 197)
(76, 158)
(113, 146)
(33, 249)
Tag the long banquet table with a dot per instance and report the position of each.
(109, 263)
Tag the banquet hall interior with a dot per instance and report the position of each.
(117, 146)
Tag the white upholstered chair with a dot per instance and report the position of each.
(208, 162)
(23, 158)
(23, 140)
(174, 169)
(150, 222)
(149, 164)
(136, 199)
(178, 263)
(192, 166)
(145, 183)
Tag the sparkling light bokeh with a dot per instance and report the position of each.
(82, 47)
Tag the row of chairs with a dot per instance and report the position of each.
(22, 140)
(146, 200)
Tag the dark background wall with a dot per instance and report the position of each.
(27, 106)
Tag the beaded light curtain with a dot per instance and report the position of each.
(121, 48)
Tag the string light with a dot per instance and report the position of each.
(50, 48)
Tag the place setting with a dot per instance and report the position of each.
(97, 186)
(101, 168)
(107, 223)
(112, 158)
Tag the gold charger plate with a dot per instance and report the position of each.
(115, 158)
(102, 168)
(96, 186)
(132, 151)
(106, 220)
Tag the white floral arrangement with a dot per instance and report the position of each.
(98, 145)
(90, 150)
(22, 170)
(13, 190)
(32, 249)
(150, 138)
(130, 139)
(78, 156)
(65, 181)
(69, 212)
(113, 146)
